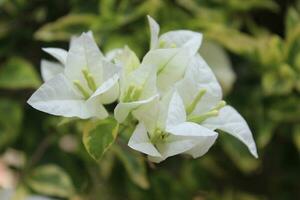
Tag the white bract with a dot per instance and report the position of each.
(87, 82)
(164, 131)
(170, 54)
(202, 97)
(171, 95)
(137, 84)
(50, 69)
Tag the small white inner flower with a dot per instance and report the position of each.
(158, 136)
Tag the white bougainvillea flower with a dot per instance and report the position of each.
(171, 39)
(137, 84)
(202, 98)
(87, 82)
(163, 130)
(170, 54)
(50, 69)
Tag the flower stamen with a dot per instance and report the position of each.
(81, 89)
(212, 113)
(195, 102)
(89, 79)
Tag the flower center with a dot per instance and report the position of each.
(158, 136)
(132, 94)
(90, 83)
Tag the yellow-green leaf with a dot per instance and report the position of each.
(51, 180)
(65, 27)
(17, 73)
(99, 136)
(10, 122)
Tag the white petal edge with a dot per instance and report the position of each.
(176, 111)
(123, 109)
(50, 69)
(58, 97)
(140, 141)
(199, 76)
(191, 129)
(107, 85)
(205, 143)
(183, 38)
(154, 32)
(230, 121)
(59, 54)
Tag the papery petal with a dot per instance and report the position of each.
(144, 78)
(181, 38)
(141, 142)
(175, 145)
(148, 114)
(110, 70)
(202, 147)
(50, 69)
(109, 90)
(176, 111)
(154, 31)
(95, 108)
(84, 54)
(127, 59)
(59, 54)
(230, 121)
(183, 138)
(58, 97)
(112, 54)
(149, 86)
(123, 109)
(170, 65)
(191, 129)
(75, 37)
(111, 95)
(199, 77)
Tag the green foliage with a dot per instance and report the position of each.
(10, 122)
(262, 41)
(17, 73)
(51, 180)
(99, 136)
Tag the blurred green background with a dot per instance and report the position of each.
(252, 45)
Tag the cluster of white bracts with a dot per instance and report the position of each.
(172, 93)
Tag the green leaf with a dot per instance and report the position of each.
(291, 20)
(10, 122)
(17, 73)
(233, 40)
(65, 27)
(51, 180)
(99, 136)
(135, 166)
(279, 80)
